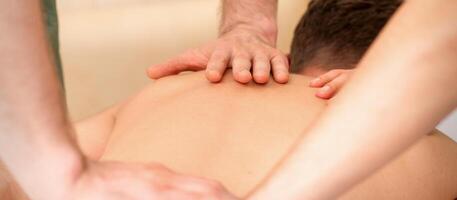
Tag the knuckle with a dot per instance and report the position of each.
(262, 67)
(277, 53)
(261, 72)
(335, 72)
(218, 58)
(339, 83)
(217, 62)
(325, 77)
(240, 53)
(334, 85)
(241, 63)
(331, 85)
(259, 52)
(241, 56)
(278, 60)
(260, 56)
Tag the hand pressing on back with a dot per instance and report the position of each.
(330, 83)
(241, 49)
(120, 181)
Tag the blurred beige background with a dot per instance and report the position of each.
(106, 45)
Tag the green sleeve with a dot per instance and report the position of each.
(51, 21)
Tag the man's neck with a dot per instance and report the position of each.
(312, 71)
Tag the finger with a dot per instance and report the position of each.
(331, 88)
(280, 66)
(196, 185)
(241, 64)
(261, 69)
(325, 78)
(207, 188)
(217, 65)
(156, 174)
(186, 62)
(173, 195)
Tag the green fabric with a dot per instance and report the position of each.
(51, 20)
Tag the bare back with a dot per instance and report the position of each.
(237, 133)
(228, 132)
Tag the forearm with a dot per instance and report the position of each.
(9, 190)
(35, 140)
(406, 83)
(257, 15)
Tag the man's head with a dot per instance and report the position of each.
(336, 33)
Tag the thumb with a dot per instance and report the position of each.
(188, 61)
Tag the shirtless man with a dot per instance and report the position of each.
(236, 134)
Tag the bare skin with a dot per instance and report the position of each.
(399, 67)
(331, 82)
(247, 130)
(53, 125)
(246, 42)
(44, 148)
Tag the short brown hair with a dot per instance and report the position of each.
(336, 33)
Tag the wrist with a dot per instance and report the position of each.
(268, 31)
(56, 173)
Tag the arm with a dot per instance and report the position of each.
(9, 190)
(415, 53)
(247, 39)
(35, 134)
(36, 140)
(258, 16)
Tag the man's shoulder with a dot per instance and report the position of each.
(196, 79)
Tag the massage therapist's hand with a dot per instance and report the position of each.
(120, 181)
(242, 49)
(331, 82)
